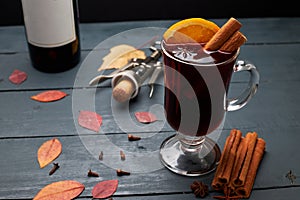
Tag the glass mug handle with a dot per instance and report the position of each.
(239, 102)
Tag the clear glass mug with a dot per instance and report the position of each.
(195, 102)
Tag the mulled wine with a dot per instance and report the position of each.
(196, 86)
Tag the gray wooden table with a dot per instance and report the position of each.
(273, 46)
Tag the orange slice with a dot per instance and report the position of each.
(191, 30)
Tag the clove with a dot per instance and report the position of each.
(92, 174)
(122, 155)
(122, 173)
(54, 168)
(101, 155)
(133, 137)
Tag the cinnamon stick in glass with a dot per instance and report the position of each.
(228, 38)
(223, 34)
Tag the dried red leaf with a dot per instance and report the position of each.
(105, 189)
(48, 152)
(67, 190)
(48, 96)
(90, 120)
(17, 77)
(145, 117)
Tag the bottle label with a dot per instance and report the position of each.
(49, 23)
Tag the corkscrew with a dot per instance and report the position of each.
(127, 80)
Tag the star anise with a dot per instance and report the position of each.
(184, 54)
(199, 188)
(291, 176)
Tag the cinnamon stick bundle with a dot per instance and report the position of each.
(239, 163)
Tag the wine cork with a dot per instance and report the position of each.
(123, 90)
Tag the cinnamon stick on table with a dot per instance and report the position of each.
(251, 142)
(225, 176)
(246, 189)
(239, 163)
(222, 175)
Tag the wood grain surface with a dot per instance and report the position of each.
(273, 46)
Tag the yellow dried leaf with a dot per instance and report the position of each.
(63, 190)
(119, 56)
(48, 152)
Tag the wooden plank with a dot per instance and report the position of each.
(24, 117)
(257, 30)
(274, 62)
(274, 194)
(21, 176)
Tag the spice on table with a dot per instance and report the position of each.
(122, 172)
(228, 195)
(133, 137)
(92, 174)
(291, 176)
(54, 168)
(240, 163)
(101, 155)
(122, 155)
(199, 188)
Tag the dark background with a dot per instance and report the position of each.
(120, 10)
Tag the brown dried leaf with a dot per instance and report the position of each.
(90, 120)
(105, 189)
(145, 117)
(17, 77)
(48, 152)
(63, 190)
(119, 56)
(48, 96)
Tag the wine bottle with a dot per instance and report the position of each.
(52, 33)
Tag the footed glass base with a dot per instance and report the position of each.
(198, 160)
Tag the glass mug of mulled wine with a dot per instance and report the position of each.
(196, 101)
